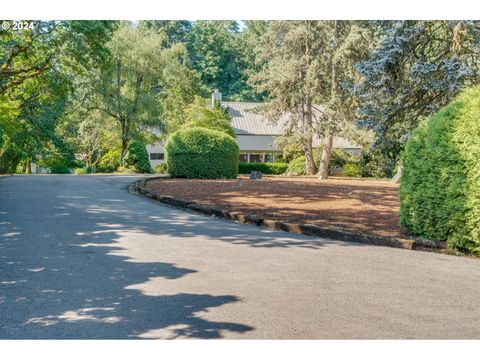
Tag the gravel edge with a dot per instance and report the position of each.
(295, 228)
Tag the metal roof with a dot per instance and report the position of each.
(247, 121)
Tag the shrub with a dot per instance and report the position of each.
(110, 161)
(297, 166)
(440, 184)
(265, 168)
(58, 164)
(201, 153)
(375, 164)
(161, 168)
(136, 158)
(82, 171)
(338, 158)
(352, 170)
(125, 170)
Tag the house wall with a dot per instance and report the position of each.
(256, 143)
(247, 143)
(157, 148)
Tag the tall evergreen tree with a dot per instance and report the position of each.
(416, 69)
(307, 72)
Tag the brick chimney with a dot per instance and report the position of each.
(216, 96)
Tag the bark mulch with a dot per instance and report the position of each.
(366, 206)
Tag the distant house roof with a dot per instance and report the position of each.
(245, 121)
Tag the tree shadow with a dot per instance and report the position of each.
(61, 275)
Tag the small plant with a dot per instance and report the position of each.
(297, 166)
(161, 168)
(81, 171)
(352, 170)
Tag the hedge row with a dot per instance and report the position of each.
(265, 168)
(440, 184)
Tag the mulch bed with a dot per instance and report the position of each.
(366, 206)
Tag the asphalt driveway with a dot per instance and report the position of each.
(82, 258)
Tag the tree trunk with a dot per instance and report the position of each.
(398, 175)
(328, 136)
(28, 164)
(310, 167)
(125, 139)
(326, 153)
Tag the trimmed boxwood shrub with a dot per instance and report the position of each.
(200, 153)
(136, 158)
(265, 168)
(440, 183)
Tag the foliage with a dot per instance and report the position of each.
(308, 63)
(297, 166)
(216, 118)
(265, 168)
(180, 87)
(440, 184)
(110, 161)
(176, 31)
(340, 158)
(161, 168)
(125, 87)
(417, 68)
(352, 170)
(374, 164)
(82, 171)
(202, 153)
(36, 70)
(137, 157)
(59, 164)
(215, 53)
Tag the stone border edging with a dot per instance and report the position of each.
(294, 228)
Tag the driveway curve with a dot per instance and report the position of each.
(81, 258)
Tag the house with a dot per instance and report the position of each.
(254, 134)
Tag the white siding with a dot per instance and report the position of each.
(157, 148)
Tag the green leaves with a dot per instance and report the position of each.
(440, 185)
(202, 154)
(216, 118)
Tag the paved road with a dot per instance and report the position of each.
(82, 258)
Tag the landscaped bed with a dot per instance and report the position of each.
(361, 206)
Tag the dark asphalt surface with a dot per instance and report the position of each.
(81, 258)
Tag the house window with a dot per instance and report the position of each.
(254, 158)
(268, 157)
(243, 158)
(157, 156)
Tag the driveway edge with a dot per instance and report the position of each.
(294, 228)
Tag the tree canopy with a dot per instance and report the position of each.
(78, 93)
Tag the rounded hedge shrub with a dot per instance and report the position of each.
(136, 158)
(440, 183)
(200, 153)
(265, 168)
